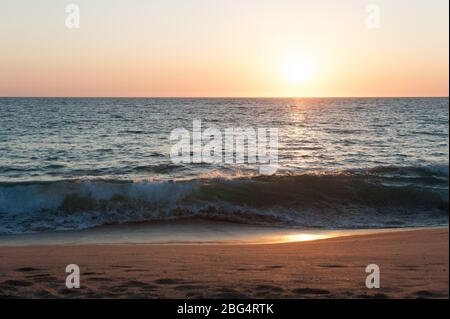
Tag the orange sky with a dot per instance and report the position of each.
(224, 48)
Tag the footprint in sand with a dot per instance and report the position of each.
(428, 294)
(190, 287)
(310, 291)
(168, 281)
(331, 266)
(98, 279)
(27, 269)
(269, 288)
(18, 283)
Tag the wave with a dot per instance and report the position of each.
(370, 198)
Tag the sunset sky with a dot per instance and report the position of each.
(221, 48)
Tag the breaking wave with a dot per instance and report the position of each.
(372, 198)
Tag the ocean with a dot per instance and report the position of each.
(343, 163)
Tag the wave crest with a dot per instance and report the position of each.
(378, 197)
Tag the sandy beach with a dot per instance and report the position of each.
(413, 264)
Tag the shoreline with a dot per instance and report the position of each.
(187, 232)
(413, 264)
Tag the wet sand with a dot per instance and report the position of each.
(413, 264)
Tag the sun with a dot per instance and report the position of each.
(297, 70)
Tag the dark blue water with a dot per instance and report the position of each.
(343, 163)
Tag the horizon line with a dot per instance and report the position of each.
(223, 97)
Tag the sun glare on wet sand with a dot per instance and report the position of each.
(305, 237)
